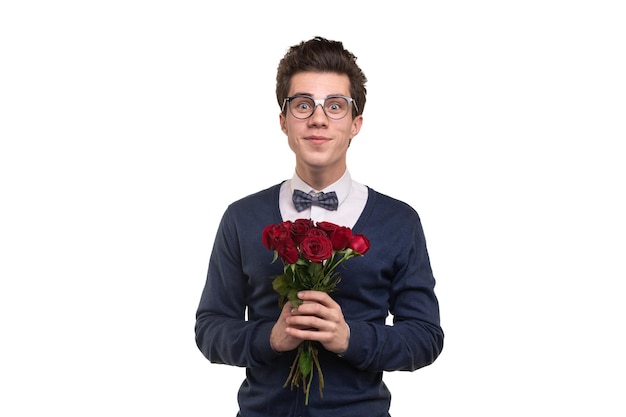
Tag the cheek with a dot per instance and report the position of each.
(291, 141)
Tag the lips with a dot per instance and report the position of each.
(317, 139)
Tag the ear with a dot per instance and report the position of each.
(283, 123)
(357, 122)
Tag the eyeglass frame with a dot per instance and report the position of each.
(320, 102)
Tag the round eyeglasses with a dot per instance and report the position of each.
(303, 107)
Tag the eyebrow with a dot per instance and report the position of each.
(311, 95)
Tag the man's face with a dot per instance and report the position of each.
(320, 143)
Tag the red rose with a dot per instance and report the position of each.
(328, 227)
(359, 243)
(275, 234)
(316, 232)
(299, 229)
(340, 237)
(288, 252)
(316, 248)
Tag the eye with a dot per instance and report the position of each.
(302, 104)
(336, 104)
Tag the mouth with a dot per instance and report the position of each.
(317, 140)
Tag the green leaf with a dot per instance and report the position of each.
(280, 284)
(315, 269)
(305, 362)
(292, 295)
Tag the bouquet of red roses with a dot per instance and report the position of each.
(311, 253)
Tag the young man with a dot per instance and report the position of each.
(321, 92)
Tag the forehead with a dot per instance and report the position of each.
(320, 84)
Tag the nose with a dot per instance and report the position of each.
(319, 116)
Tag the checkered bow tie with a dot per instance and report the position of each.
(303, 200)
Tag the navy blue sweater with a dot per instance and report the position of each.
(393, 277)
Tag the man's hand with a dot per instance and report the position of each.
(318, 318)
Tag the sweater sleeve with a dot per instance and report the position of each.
(223, 334)
(416, 338)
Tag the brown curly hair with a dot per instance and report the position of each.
(321, 55)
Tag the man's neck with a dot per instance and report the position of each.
(321, 179)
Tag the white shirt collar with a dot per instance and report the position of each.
(342, 186)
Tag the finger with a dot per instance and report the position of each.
(311, 308)
(316, 296)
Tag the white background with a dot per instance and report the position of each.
(127, 127)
